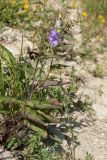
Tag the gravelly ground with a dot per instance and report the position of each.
(92, 136)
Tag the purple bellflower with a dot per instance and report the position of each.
(54, 38)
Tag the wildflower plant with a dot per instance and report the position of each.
(31, 99)
(10, 12)
(96, 7)
(95, 26)
(30, 102)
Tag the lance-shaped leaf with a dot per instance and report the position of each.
(35, 104)
(7, 56)
(42, 115)
(12, 65)
(35, 122)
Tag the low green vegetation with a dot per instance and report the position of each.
(94, 30)
(36, 100)
(96, 7)
(89, 156)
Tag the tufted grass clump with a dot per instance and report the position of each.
(96, 7)
(8, 12)
(93, 18)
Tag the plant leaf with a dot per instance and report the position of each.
(30, 103)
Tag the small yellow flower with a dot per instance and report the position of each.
(101, 19)
(84, 14)
(26, 5)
